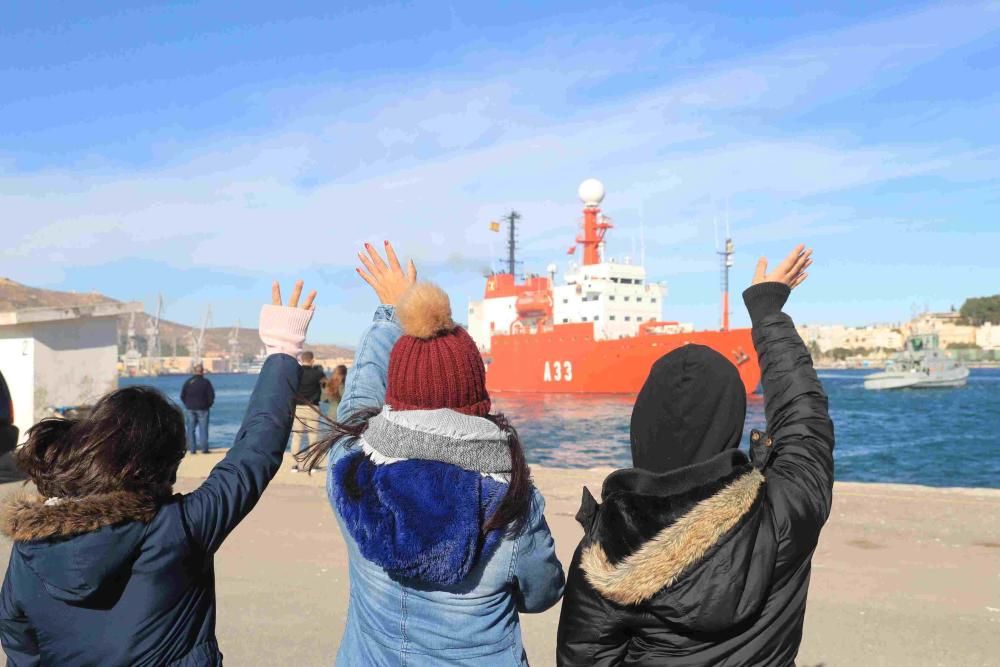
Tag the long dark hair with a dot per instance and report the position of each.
(335, 383)
(132, 440)
(510, 515)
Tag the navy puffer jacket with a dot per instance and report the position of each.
(140, 588)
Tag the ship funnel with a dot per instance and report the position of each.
(591, 192)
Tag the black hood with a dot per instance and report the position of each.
(691, 408)
(690, 545)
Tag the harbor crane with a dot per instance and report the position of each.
(153, 338)
(234, 349)
(198, 339)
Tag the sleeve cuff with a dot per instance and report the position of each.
(385, 313)
(283, 329)
(765, 299)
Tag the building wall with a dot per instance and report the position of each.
(17, 353)
(75, 362)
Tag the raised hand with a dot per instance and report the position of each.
(386, 277)
(791, 271)
(296, 294)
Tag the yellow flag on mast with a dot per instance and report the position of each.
(494, 226)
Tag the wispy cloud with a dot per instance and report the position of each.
(429, 160)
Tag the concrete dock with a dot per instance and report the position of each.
(904, 575)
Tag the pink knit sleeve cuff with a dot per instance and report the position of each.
(283, 329)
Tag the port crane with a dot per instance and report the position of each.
(198, 339)
(234, 349)
(153, 338)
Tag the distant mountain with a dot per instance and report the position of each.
(14, 296)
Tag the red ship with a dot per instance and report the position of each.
(599, 331)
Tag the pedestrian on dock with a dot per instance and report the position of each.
(307, 413)
(699, 555)
(333, 391)
(198, 396)
(109, 566)
(446, 535)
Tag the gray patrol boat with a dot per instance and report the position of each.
(921, 365)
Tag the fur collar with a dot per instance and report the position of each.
(660, 561)
(27, 518)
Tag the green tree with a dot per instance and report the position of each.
(979, 310)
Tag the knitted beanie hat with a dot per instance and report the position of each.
(435, 364)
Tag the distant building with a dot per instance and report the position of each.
(59, 357)
(988, 336)
(948, 327)
(827, 337)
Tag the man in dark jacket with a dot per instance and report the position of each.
(198, 396)
(700, 555)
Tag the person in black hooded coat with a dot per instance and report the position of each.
(699, 555)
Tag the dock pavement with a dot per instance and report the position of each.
(904, 575)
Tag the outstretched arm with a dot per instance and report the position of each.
(800, 473)
(366, 381)
(237, 482)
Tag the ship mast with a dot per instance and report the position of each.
(595, 225)
(726, 255)
(511, 221)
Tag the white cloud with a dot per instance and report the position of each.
(429, 164)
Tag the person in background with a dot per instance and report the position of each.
(699, 555)
(307, 414)
(333, 391)
(198, 396)
(109, 567)
(446, 535)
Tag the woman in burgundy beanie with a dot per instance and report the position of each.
(446, 535)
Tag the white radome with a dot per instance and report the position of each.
(591, 192)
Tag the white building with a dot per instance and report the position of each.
(988, 336)
(59, 357)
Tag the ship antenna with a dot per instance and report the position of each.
(726, 255)
(511, 221)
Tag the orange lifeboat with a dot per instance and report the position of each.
(533, 305)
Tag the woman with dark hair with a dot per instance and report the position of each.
(333, 391)
(109, 566)
(446, 535)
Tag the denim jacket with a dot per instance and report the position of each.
(394, 621)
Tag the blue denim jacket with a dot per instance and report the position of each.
(393, 622)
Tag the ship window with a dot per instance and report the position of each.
(597, 317)
(614, 280)
(583, 319)
(627, 298)
(627, 281)
(611, 297)
(628, 318)
(565, 300)
(653, 299)
(565, 319)
(639, 299)
(611, 317)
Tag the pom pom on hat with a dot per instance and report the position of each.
(435, 364)
(425, 311)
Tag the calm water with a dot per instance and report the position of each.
(945, 437)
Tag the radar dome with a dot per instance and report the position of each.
(591, 192)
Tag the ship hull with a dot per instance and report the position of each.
(567, 360)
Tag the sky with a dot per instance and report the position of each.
(200, 150)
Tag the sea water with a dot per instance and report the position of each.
(937, 437)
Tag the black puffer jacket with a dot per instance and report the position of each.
(710, 564)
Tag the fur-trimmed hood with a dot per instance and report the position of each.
(77, 546)
(682, 542)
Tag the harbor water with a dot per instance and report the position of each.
(936, 437)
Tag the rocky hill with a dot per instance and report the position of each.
(14, 296)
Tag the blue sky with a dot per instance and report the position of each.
(200, 149)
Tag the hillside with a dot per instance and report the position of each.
(14, 296)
